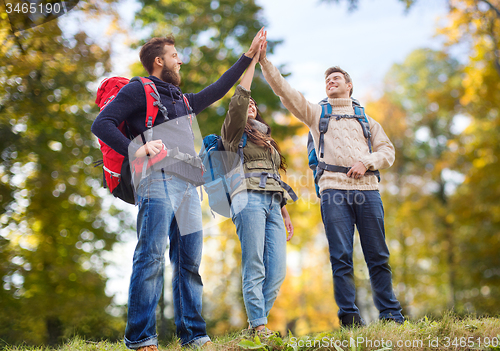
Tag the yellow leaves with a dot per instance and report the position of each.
(391, 116)
(450, 218)
(36, 226)
(480, 31)
(484, 158)
(479, 163)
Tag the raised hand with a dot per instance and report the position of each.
(256, 43)
(263, 48)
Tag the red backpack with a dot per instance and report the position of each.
(116, 168)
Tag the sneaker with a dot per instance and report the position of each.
(351, 320)
(264, 333)
(207, 344)
(148, 348)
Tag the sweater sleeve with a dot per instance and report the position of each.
(218, 89)
(383, 154)
(236, 118)
(292, 99)
(129, 102)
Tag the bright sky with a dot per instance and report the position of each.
(316, 35)
(365, 42)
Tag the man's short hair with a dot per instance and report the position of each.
(152, 49)
(346, 75)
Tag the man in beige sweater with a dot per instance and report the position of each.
(347, 198)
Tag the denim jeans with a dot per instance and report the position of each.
(169, 210)
(341, 210)
(262, 235)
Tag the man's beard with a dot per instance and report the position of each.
(169, 76)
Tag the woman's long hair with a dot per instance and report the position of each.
(263, 139)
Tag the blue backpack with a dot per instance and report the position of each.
(220, 177)
(319, 167)
(224, 173)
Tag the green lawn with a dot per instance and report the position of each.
(447, 333)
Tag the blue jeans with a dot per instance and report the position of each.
(262, 235)
(169, 210)
(341, 210)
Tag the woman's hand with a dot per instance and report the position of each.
(150, 149)
(246, 80)
(256, 43)
(288, 223)
(256, 58)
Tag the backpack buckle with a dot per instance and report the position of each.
(323, 124)
(263, 180)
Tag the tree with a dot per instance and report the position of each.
(211, 36)
(54, 230)
(475, 203)
(467, 194)
(428, 86)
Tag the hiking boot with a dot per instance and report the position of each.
(351, 320)
(148, 348)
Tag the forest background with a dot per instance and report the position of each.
(63, 241)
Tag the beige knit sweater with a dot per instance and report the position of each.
(345, 143)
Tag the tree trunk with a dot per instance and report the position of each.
(54, 330)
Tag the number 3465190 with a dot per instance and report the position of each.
(47, 8)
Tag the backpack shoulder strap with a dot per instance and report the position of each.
(324, 120)
(241, 145)
(153, 102)
(189, 109)
(365, 125)
(186, 101)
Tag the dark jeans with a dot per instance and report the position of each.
(169, 212)
(341, 210)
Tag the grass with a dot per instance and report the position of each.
(447, 333)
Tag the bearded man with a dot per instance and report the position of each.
(165, 195)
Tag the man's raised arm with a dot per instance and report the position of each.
(218, 89)
(291, 98)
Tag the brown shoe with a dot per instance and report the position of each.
(148, 348)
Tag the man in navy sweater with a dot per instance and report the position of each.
(169, 207)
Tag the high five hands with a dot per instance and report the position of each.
(257, 41)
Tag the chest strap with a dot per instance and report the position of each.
(263, 180)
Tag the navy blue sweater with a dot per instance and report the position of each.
(130, 106)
